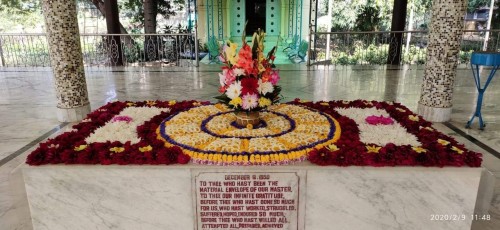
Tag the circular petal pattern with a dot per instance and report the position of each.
(286, 134)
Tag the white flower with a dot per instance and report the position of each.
(238, 72)
(265, 87)
(234, 90)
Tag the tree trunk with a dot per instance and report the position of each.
(99, 4)
(398, 24)
(150, 42)
(112, 24)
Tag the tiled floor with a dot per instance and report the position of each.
(27, 109)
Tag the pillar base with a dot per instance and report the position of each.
(73, 114)
(434, 114)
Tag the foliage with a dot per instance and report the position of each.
(377, 55)
(464, 56)
(20, 6)
(134, 9)
(18, 15)
(369, 15)
(351, 15)
(475, 4)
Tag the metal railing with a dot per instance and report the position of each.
(31, 50)
(373, 48)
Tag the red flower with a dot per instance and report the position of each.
(340, 158)
(249, 86)
(320, 156)
(183, 159)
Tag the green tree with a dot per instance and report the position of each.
(475, 4)
(361, 15)
(20, 6)
(145, 12)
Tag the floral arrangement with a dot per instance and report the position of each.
(286, 128)
(248, 80)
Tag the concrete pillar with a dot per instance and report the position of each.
(66, 59)
(445, 36)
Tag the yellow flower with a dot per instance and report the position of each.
(196, 103)
(419, 149)
(252, 158)
(459, 151)
(172, 102)
(261, 67)
(150, 103)
(249, 126)
(413, 117)
(332, 148)
(265, 158)
(303, 101)
(130, 104)
(80, 148)
(245, 158)
(240, 158)
(324, 103)
(257, 158)
(264, 102)
(230, 53)
(117, 149)
(373, 148)
(443, 142)
(429, 128)
(400, 110)
(236, 101)
(145, 148)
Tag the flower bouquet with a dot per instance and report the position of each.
(248, 80)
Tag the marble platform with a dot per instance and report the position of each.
(163, 197)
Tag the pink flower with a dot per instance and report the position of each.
(250, 101)
(375, 120)
(122, 118)
(226, 77)
(275, 77)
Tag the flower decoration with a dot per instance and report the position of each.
(419, 149)
(435, 148)
(443, 142)
(145, 148)
(332, 147)
(373, 148)
(248, 81)
(413, 117)
(376, 120)
(117, 149)
(80, 148)
(150, 103)
(122, 118)
(459, 151)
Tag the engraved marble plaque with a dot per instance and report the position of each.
(247, 200)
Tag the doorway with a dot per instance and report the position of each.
(255, 12)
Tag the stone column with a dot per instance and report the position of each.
(66, 59)
(445, 36)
